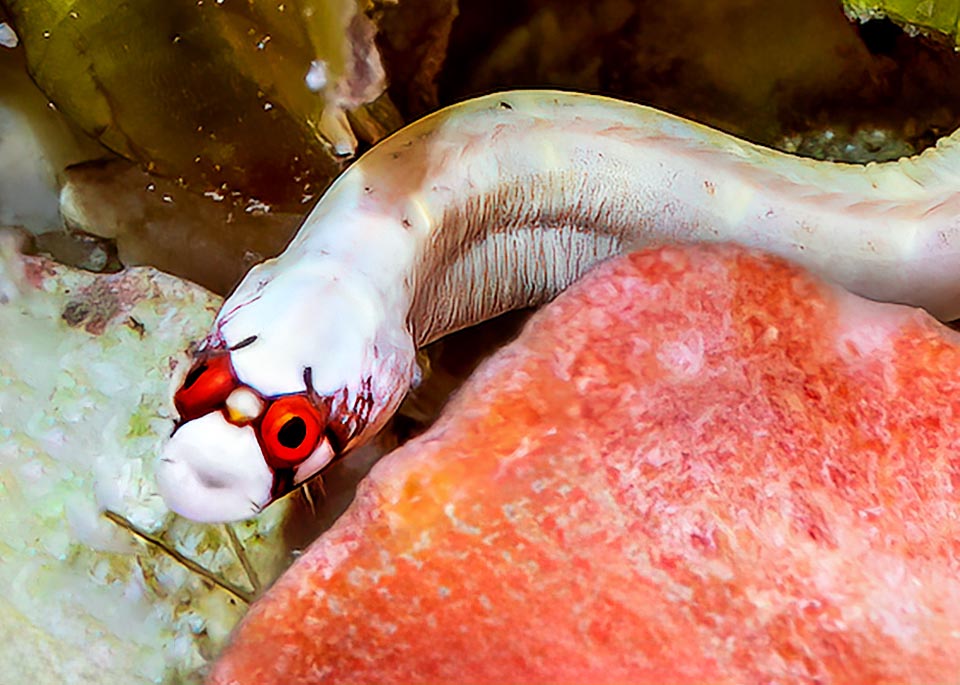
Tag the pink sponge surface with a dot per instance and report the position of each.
(698, 464)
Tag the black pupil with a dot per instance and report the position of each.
(292, 433)
(194, 374)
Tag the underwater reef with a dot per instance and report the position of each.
(699, 464)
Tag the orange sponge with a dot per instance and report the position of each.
(699, 464)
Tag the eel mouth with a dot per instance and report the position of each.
(196, 481)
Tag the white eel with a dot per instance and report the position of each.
(499, 203)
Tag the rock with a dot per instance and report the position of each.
(413, 40)
(697, 465)
(715, 63)
(211, 239)
(87, 366)
(36, 143)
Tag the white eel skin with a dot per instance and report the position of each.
(503, 201)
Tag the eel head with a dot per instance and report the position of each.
(304, 362)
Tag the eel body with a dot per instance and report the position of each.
(499, 203)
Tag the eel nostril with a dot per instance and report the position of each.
(205, 388)
(194, 374)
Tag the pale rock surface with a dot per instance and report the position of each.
(87, 367)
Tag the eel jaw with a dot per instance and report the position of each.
(197, 479)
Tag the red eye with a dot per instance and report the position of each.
(205, 388)
(290, 431)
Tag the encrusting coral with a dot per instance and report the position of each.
(85, 369)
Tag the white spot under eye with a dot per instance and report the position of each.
(244, 405)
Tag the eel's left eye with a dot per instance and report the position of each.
(290, 431)
(205, 388)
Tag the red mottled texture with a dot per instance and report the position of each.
(697, 465)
